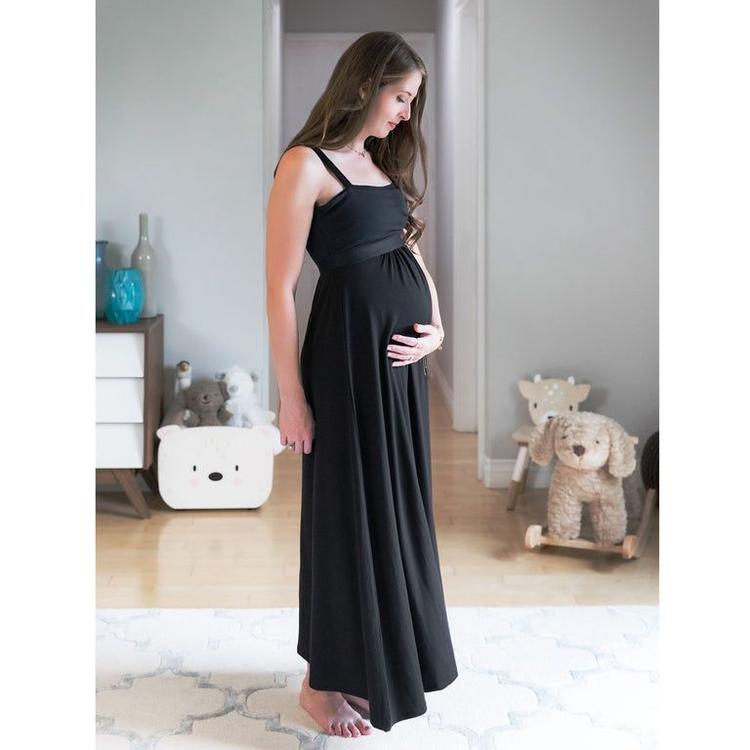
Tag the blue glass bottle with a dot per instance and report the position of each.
(124, 295)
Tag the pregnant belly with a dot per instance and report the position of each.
(389, 292)
(356, 310)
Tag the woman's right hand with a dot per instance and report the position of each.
(296, 424)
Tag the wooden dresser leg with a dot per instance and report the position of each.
(128, 482)
(150, 476)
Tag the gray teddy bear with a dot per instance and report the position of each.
(199, 404)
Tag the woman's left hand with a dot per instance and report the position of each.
(411, 348)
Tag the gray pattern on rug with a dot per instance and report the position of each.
(169, 679)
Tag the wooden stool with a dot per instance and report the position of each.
(517, 485)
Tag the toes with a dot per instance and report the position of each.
(354, 730)
(345, 731)
(362, 726)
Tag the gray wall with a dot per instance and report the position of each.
(572, 206)
(179, 136)
(358, 15)
(441, 163)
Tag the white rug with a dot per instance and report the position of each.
(578, 678)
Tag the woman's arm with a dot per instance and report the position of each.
(436, 320)
(290, 207)
(402, 348)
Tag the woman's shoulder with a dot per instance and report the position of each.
(299, 158)
(299, 166)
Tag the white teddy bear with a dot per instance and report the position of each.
(241, 407)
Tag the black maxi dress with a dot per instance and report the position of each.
(372, 617)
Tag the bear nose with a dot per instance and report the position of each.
(579, 450)
(215, 476)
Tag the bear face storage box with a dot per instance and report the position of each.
(215, 467)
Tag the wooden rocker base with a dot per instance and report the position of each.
(630, 548)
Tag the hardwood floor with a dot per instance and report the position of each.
(249, 558)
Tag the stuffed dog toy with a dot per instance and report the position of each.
(594, 454)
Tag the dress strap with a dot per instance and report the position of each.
(331, 166)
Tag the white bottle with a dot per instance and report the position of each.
(143, 259)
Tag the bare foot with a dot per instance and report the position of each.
(331, 711)
(361, 704)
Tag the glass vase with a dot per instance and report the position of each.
(124, 295)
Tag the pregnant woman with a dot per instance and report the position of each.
(372, 618)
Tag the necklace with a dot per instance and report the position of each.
(361, 153)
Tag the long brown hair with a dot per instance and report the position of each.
(374, 60)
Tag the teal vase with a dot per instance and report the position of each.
(124, 295)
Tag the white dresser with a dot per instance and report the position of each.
(129, 368)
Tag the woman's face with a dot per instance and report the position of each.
(393, 104)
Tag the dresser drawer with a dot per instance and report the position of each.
(119, 399)
(119, 446)
(119, 355)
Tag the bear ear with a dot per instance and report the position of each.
(621, 451)
(266, 430)
(167, 430)
(542, 440)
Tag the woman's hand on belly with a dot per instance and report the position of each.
(409, 349)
